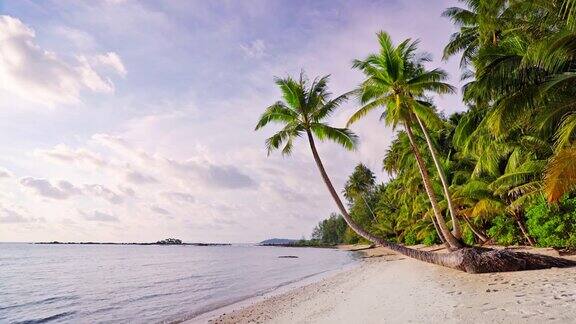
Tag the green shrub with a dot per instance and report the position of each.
(468, 235)
(350, 237)
(504, 230)
(431, 238)
(553, 226)
(410, 238)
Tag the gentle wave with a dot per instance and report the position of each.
(46, 301)
(48, 319)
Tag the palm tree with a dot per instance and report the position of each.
(360, 183)
(480, 24)
(397, 81)
(303, 111)
(400, 163)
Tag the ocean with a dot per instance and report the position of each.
(144, 284)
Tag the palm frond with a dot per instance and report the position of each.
(327, 108)
(277, 112)
(363, 111)
(342, 136)
(565, 133)
(560, 176)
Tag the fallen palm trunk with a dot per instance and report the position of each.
(483, 260)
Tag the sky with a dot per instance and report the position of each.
(133, 121)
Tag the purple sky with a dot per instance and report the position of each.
(133, 120)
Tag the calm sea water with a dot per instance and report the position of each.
(142, 284)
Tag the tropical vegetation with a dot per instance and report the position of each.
(501, 172)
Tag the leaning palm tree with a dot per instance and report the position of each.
(397, 81)
(303, 111)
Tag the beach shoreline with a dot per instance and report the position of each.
(387, 287)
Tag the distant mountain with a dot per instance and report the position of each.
(278, 241)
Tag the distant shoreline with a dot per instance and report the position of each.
(116, 243)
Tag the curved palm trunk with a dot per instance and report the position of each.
(452, 242)
(442, 239)
(457, 230)
(416, 254)
(519, 217)
(476, 232)
(370, 209)
(472, 260)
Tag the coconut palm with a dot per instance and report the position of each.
(527, 75)
(360, 182)
(479, 23)
(401, 164)
(397, 81)
(303, 111)
(359, 185)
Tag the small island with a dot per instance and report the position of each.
(168, 241)
(279, 242)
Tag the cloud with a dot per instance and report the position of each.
(80, 39)
(159, 210)
(212, 175)
(98, 216)
(4, 173)
(216, 175)
(179, 197)
(127, 191)
(139, 178)
(63, 153)
(103, 192)
(227, 177)
(62, 190)
(41, 76)
(256, 49)
(10, 216)
(113, 61)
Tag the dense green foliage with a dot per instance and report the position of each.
(553, 225)
(330, 231)
(508, 160)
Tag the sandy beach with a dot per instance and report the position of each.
(388, 288)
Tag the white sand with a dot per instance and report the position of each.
(394, 289)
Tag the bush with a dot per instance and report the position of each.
(331, 230)
(553, 226)
(431, 238)
(504, 230)
(410, 238)
(350, 237)
(468, 235)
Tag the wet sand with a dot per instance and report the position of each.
(388, 288)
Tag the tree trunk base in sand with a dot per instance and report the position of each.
(481, 260)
